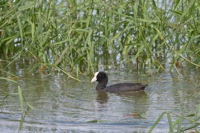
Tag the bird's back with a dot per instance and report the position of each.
(123, 87)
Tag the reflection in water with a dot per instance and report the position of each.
(128, 105)
(102, 97)
(138, 99)
(63, 105)
(132, 94)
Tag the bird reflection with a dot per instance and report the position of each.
(102, 97)
(139, 100)
(134, 94)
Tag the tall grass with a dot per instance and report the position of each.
(188, 123)
(77, 35)
(23, 103)
(22, 100)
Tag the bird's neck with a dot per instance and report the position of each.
(102, 85)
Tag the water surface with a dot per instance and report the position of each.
(64, 105)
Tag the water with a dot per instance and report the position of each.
(64, 105)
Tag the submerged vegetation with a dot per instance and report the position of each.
(75, 36)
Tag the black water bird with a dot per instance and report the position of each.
(102, 79)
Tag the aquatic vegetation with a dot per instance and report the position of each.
(22, 100)
(178, 125)
(77, 35)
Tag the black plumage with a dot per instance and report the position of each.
(102, 79)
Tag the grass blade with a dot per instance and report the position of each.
(156, 122)
(21, 104)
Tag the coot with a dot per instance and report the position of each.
(102, 79)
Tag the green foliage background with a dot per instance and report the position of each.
(79, 34)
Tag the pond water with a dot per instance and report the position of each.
(64, 105)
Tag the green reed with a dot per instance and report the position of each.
(22, 100)
(23, 103)
(78, 35)
(192, 121)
